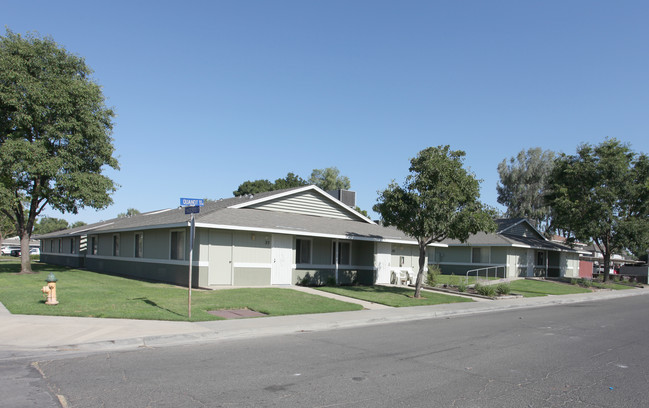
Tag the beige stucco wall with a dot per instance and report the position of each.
(251, 247)
(410, 254)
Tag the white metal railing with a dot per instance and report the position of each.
(486, 270)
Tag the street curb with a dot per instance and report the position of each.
(228, 330)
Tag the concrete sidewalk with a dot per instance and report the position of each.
(29, 335)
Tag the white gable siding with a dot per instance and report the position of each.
(306, 203)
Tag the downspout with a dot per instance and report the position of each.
(336, 259)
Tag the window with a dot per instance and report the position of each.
(93, 245)
(71, 245)
(116, 245)
(341, 252)
(540, 258)
(178, 245)
(480, 255)
(302, 251)
(139, 239)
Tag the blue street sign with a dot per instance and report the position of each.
(191, 202)
(192, 210)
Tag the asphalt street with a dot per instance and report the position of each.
(589, 354)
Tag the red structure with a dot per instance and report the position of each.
(586, 269)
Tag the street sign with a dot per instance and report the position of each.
(191, 202)
(192, 210)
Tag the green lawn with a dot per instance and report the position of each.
(90, 294)
(531, 288)
(392, 295)
(612, 285)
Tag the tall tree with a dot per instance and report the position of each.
(7, 227)
(129, 213)
(602, 194)
(253, 187)
(54, 134)
(329, 179)
(263, 185)
(439, 200)
(291, 180)
(78, 224)
(49, 224)
(522, 185)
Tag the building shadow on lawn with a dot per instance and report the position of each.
(37, 267)
(154, 304)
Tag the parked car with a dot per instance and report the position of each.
(35, 251)
(7, 250)
(15, 252)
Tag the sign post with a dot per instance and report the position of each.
(192, 206)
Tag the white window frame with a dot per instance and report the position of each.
(297, 255)
(171, 232)
(140, 253)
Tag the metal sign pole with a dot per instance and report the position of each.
(191, 253)
(192, 206)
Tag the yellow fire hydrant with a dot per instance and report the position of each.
(50, 290)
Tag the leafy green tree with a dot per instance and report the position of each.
(291, 180)
(253, 187)
(522, 184)
(439, 200)
(78, 224)
(602, 194)
(329, 179)
(129, 213)
(7, 227)
(54, 134)
(263, 185)
(48, 224)
(360, 210)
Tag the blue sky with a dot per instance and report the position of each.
(209, 94)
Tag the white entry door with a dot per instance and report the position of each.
(382, 261)
(282, 254)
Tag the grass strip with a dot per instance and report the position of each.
(532, 288)
(392, 295)
(90, 294)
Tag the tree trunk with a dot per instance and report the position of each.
(25, 260)
(607, 263)
(422, 268)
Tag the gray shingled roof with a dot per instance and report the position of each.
(498, 239)
(217, 214)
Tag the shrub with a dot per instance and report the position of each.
(616, 278)
(453, 280)
(431, 276)
(503, 288)
(585, 282)
(487, 290)
(331, 281)
(461, 286)
(574, 281)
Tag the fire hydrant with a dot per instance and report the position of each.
(50, 290)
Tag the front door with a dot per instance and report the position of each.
(382, 260)
(282, 254)
(220, 258)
